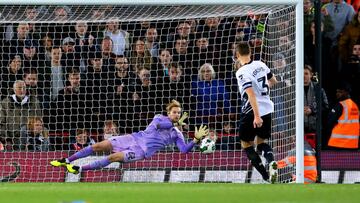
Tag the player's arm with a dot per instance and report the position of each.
(271, 79)
(253, 102)
(182, 146)
(200, 133)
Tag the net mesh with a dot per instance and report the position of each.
(84, 73)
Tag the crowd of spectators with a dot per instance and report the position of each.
(91, 80)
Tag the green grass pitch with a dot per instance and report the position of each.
(177, 192)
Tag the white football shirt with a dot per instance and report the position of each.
(255, 74)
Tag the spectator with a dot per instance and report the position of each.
(309, 46)
(183, 31)
(46, 44)
(30, 55)
(211, 96)
(16, 44)
(282, 72)
(119, 98)
(182, 55)
(141, 57)
(72, 106)
(31, 81)
(119, 37)
(349, 37)
(175, 87)
(151, 42)
(84, 42)
(99, 83)
(309, 17)
(110, 129)
(147, 96)
(52, 78)
(11, 108)
(106, 48)
(164, 60)
(70, 57)
(34, 136)
(9, 74)
(343, 121)
(61, 13)
(82, 140)
(341, 14)
(310, 107)
(352, 71)
(205, 53)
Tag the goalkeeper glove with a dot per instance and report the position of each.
(200, 133)
(182, 118)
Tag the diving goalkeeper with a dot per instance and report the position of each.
(162, 131)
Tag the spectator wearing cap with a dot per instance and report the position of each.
(70, 58)
(10, 73)
(343, 121)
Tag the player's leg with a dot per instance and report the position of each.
(97, 164)
(264, 133)
(247, 135)
(254, 159)
(104, 146)
(265, 149)
(125, 150)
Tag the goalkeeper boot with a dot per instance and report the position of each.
(273, 172)
(58, 163)
(73, 169)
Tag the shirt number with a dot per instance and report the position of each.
(264, 86)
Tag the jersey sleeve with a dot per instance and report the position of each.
(267, 71)
(182, 146)
(244, 81)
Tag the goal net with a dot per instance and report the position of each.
(72, 76)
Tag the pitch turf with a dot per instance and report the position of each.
(174, 193)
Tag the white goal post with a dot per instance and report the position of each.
(299, 89)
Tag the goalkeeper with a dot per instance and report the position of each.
(162, 131)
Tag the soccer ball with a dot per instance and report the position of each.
(207, 145)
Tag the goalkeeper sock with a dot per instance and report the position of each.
(96, 164)
(256, 162)
(266, 151)
(82, 153)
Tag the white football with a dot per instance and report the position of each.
(207, 145)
